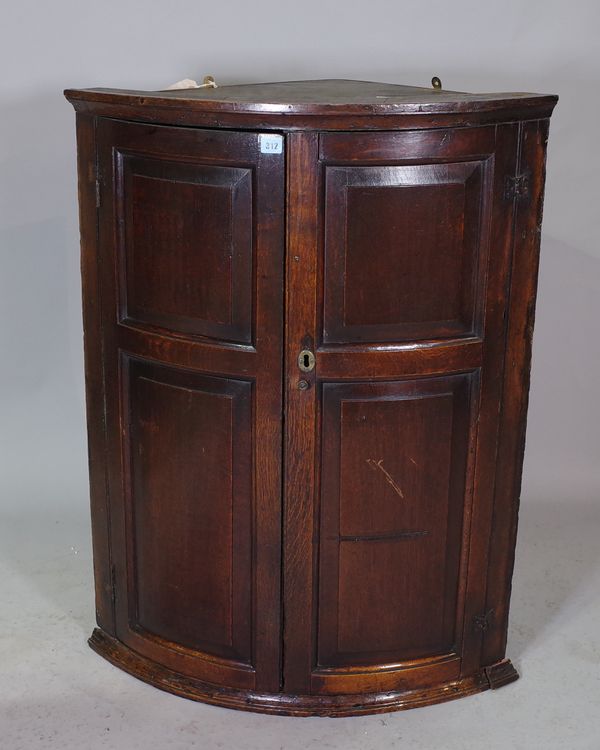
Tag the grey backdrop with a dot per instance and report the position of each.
(547, 46)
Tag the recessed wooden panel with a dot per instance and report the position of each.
(191, 480)
(186, 247)
(402, 245)
(394, 466)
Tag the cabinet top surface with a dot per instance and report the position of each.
(318, 97)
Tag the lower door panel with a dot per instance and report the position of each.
(394, 472)
(190, 513)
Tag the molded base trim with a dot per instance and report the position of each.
(295, 705)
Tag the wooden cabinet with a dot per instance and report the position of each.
(308, 311)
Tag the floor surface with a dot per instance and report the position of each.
(56, 693)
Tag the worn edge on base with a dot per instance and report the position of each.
(120, 655)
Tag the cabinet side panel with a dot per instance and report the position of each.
(94, 379)
(533, 139)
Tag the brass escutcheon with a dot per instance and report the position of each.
(306, 360)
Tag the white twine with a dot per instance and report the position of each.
(189, 83)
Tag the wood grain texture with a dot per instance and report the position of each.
(494, 336)
(533, 137)
(327, 105)
(94, 372)
(339, 540)
(392, 493)
(299, 549)
(329, 99)
(182, 636)
(341, 365)
(186, 247)
(401, 248)
(189, 438)
(335, 706)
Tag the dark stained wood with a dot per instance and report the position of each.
(477, 525)
(184, 222)
(509, 463)
(190, 458)
(318, 97)
(401, 249)
(334, 541)
(481, 353)
(253, 449)
(183, 115)
(327, 104)
(301, 416)
(395, 510)
(426, 358)
(94, 372)
(347, 704)
(407, 146)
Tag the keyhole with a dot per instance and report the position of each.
(306, 360)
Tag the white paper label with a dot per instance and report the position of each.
(271, 144)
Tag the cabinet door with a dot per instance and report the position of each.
(399, 257)
(191, 244)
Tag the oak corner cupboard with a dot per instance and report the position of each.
(308, 310)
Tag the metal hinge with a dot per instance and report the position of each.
(516, 187)
(482, 622)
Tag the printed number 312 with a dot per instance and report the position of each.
(271, 144)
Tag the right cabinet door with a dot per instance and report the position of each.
(412, 241)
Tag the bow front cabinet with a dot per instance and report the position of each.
(308, 310)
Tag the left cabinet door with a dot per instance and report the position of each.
(190, 246)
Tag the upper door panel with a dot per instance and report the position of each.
(401, 249)
(405, 235)
(185, 246)
(192, 216)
